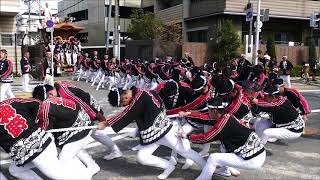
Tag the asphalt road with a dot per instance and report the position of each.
(297, 159)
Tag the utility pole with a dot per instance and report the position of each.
(29, 21)
(250, 33)
(116, 44)
(258, 29)
(108, 26)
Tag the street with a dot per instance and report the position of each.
(297, 159)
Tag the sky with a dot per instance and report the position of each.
(53, 4)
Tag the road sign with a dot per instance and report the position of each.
(49, 24)
(249, 14)
(259, 25)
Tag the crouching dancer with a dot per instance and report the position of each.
(241, 147)
(30, 146)
(147, 109)
(88, 103)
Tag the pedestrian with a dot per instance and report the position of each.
(286, 67)
(155, 129)
(6, 76)
(240, 145)
(48, 69)
(313, 67)
(25, 70)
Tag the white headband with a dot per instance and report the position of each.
(223, 105)
(205, 83)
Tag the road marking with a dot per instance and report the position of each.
(309, 90)
(315, 111)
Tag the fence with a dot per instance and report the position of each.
(296, 54)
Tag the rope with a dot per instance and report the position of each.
(88, 127)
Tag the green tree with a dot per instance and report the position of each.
(170, 32)
(143, 25)
(271, 47)
(225, 44)
(312, 50)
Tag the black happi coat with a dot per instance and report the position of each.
(234, 135)
(57, 112)
(148, 111)
(20, 135)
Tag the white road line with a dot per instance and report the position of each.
(315, 111)
(310, 90)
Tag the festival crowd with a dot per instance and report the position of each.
(172, 102)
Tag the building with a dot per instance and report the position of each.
(8, 11)
(93, 15)
(289, 20)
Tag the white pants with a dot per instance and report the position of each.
(5, 91)
(81, 73)
(230, 160)
(2, 177)
(98, 76)
(286, 79)
(49, 164)
(25, 82)
(170, 140)
(76, 148)
(91, 76)
(68, 58)
(127, 82)
(48, 80)
(100, 136)
(262, 128)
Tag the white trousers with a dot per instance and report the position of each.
(49, 164)
(262, 128)
(91, 76)
(48, 80)
(71, 150)
(230, 160)
(81, 73)
(170, 140)
(2, 177)
(103, 138)
(25, 83)
(68, 58)
(286, 79)
(5, 91)
(98, 76)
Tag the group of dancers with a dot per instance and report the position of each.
(173, 103)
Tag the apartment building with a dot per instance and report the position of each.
(93, 15)
(289, 19)
(8, 11)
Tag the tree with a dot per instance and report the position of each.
(225, 44)
(271, 47)
(312, 50)
(143, 25)
(170, 32)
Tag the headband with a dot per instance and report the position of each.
(223, 105)
(204, 84)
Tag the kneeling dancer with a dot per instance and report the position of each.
(241, 147)
(147, 109)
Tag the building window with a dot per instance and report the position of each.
(124, 12)
(198, 36)
(79, 16)
(281, 38)
(83, 37)
(6, 39)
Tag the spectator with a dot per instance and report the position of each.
(25, 70)
(286, 67)
(313, 68)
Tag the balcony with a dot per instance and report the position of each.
(174, 13)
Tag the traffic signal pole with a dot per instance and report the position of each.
(257, 33)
